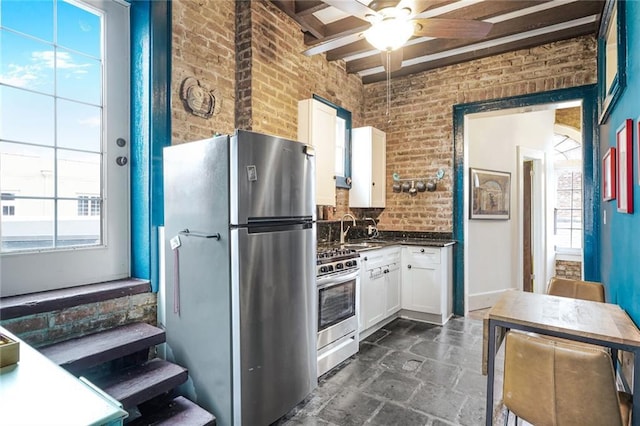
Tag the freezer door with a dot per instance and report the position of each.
(270, 177)
(276, 292)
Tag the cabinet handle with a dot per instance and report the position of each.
(365, 258)
(408, 266)
(421, 250)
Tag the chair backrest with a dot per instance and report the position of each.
(577, 289)
(549, 382)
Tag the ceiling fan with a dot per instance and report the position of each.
(394, 22)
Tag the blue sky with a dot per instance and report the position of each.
(49, 47)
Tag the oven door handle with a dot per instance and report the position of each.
(328, 281)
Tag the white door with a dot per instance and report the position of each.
(64, 103)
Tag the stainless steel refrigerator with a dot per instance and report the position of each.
(240, 273)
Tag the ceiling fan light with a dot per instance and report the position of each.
(389, 34)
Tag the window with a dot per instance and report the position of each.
(8, 204)
(62, 107)
(343, 144)
(88, 205)
(568, 202)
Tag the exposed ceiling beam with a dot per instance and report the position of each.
(485, 52)
(545, 18)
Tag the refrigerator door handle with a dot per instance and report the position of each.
(187, 233)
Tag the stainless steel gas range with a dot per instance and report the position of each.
(338, 304)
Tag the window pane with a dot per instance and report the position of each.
(563, 219)
(39, 13)
(78, 77)
(563, 199)
(577, 180)
(340, 144)
(20, 110)
(78, 173)
(79, 29)
(25, 62)
(74, 229)
(563, 238)
(577, 199)
(576, 239)
(31, 227)
(27, 168)
(79, 126)
(576, 219)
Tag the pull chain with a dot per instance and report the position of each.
(388, 67)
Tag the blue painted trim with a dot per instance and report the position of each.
(591, 175)
(341, 181)
(150, 130)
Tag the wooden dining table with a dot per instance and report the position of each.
(602, 324)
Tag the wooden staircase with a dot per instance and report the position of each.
(116, 361)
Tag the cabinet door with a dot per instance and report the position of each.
(393, 290)
(378, 168)
(317, 127)
(421, 280)
(373, 305)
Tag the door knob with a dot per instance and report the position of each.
(121, 161)
(408, 266)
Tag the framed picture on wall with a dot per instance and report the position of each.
(609, 175)
(490, 194)
(624, 143)
(611, 57)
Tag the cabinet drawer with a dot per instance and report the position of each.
(424, 254)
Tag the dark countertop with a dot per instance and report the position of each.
(376, 243)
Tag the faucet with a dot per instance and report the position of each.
(343, 233)
(372, 230)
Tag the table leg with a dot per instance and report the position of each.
(490, 373)
(635, 413)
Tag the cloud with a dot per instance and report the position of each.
(93, 121)
(37, 72)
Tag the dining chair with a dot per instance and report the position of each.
(577, 289)
(557, 383)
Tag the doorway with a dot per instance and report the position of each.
(586, 96)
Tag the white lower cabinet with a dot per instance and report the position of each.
(410, 282)
(427, 285)
(379, 286)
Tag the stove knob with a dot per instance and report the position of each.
(323, 269)
(354, 263)
(339, 266)
(330, 268)
(347, 263)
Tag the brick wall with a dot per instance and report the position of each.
(51, 327)
(203, 46)
(261, 75)
(420, 135)
(569, 269)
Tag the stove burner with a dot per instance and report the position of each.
(336, 260)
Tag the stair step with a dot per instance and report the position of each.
(141, 383)
(93, 349)
(181, 412)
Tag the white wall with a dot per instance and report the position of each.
(492, 246)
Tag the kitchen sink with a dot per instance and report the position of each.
(361, 245)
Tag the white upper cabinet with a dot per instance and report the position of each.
(368, 167)
(317, 127)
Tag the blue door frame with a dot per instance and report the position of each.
(591, 175)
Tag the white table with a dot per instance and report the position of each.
(36, 391)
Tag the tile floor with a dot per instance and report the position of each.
(408, 373)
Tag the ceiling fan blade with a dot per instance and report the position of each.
(352, 7)
(392, 60)
(451, 28)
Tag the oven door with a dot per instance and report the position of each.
(337, 307)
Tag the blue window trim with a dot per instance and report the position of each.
(591, 175)
(150, 130)
(342, 181)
